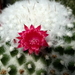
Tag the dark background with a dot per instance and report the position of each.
(3, 3)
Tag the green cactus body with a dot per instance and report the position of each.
(56, 59)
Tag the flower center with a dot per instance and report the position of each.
(34, 41)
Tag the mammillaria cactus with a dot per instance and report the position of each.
(37, 37)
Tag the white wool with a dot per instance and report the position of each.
(70, 25)
(46, 57)
(8, 69)
(29, 66)
(52, 16)
(69, 34)
(11, 49)
(40, 65)
(19, 55)
(1, 56)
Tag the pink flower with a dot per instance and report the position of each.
(32, 39)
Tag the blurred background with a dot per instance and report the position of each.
(70, 3)
(4, 3)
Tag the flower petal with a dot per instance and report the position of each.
(19, 37)
(20, 33)
(31, 27)
(45, 43)
(19, 46)
(39, 27)
(25, 49)
(26, 28)
(37, 52)
(44, 33)
(30, 51)
(14, 40)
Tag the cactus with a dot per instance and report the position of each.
(57, 24)
(13, 62)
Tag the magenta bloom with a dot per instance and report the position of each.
(32, 39)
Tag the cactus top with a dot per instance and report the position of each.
(52, 16)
